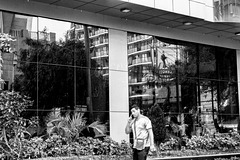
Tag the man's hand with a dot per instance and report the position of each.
(129, 124)
(152, 148)
(130, 120)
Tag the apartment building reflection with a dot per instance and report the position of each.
(19, 27)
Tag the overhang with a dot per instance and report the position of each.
(148, 15)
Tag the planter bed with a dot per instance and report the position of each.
(204, 157)
(220, 156)
(198, 155)
(102, 157)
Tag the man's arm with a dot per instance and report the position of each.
(128, 128)
(151, 137)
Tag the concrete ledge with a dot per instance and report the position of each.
(201, 157)
(98, 157)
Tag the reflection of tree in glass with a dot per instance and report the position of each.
(53, 68)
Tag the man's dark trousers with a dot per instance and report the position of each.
(140, 154)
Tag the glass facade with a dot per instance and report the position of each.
(195, 85)
(59, 65)
(65, 65)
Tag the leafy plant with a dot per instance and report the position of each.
(201, 145)
(5, 40)
(220, 142)
(73, 126)
(12, 125)
(66, 126)
(98, 128)
(57, 146)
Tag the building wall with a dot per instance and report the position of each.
(118, 29)
(44, 10)
(196, 8)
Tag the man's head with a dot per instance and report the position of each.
(135, 110)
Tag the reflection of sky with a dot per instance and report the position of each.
(55, 26)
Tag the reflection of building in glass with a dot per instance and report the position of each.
(181, 78)
(19, 27)
(16, 26)
(139, 57)
(149, 63)
(42, 35)
(98, 38)
(227, 10)
(173, 53)
(97, 50)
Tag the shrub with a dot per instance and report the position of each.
(57, 146)
(232, 158)
(171, 144)
(156, 115)
(14, 145)
(220, 142)
(12, 125)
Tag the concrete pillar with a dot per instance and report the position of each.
(118, 84)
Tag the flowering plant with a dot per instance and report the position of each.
(5, 42)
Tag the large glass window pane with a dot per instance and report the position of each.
(187, 81)
(139, 58)
(92, 55)
(84, 53)
(151, 66)
(227, 88)
(61, 66)
(14, 56)
(209, 107)
(194, 85)
(152, 77)
(207, 89)
(16, 28)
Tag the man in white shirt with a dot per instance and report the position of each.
(141, 127)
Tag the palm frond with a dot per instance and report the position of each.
(101, 128)
(53, 115)
(78, 120)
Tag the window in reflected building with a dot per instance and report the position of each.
(193, 86)
(62, 66)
